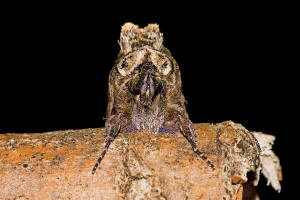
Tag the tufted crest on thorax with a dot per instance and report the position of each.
(133, 37)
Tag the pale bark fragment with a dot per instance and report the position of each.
(269, 162)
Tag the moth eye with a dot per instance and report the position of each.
(123, 65)
(164, 65)
(130, 62)
(122, 68)
(166, 68)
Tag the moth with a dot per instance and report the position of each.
(145, 90)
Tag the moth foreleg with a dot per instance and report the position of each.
(187, 129)
(111, 134)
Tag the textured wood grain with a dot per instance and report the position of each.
(57, 165)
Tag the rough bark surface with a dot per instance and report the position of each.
(57, 165)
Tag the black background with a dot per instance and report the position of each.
(234, 64)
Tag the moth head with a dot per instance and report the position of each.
(139, 45)
(144, 63)
(129, 64)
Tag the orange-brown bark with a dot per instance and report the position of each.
(57, 165)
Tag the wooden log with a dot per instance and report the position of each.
(57, 165)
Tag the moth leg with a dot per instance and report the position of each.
(187, 129)
(111, 134)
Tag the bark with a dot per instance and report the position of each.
(57, 165)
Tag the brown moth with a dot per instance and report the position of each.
(145, 92)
